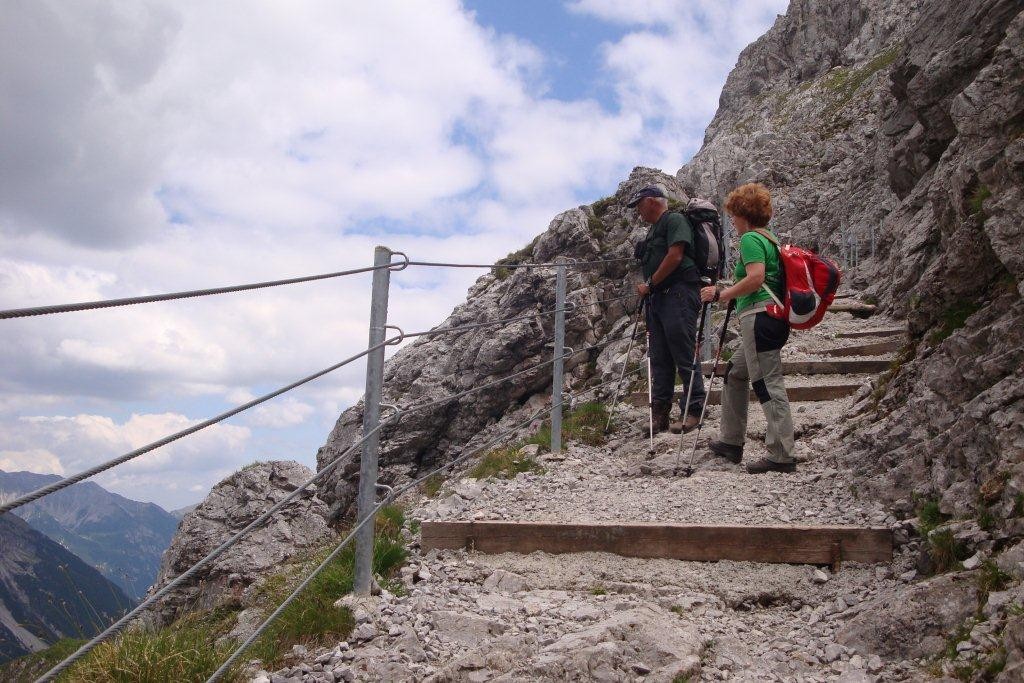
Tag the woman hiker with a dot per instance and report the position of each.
(758, 360)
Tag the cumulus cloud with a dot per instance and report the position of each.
(38, 460)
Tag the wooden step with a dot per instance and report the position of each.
(873, 349)
(820, 367)
(857, 308)
(894, 332)
(821, 392)
(698, 543)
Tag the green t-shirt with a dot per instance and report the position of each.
(756, 248)
(670, 229)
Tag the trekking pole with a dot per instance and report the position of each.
(706, 281)
(707, 396)
(618, 387)
(650, 394)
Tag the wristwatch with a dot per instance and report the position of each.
(649, 283)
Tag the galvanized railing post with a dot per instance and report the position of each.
(556, 377)
(371, 417)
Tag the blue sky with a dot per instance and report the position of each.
(161, 146)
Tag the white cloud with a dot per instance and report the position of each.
(66, 444)
(286, 412)
(38, 460)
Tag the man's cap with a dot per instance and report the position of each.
(649, 191)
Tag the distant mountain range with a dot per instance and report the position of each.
(46, 593)
(123, 539)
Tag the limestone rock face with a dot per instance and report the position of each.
(231, 505)
(899, 124)
(434, 368)
(914, 622)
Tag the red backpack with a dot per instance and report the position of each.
(810, 283)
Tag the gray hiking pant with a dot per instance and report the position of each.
(758, 362)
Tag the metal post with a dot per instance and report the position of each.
(371, 417)
(872, 240)
(556, 377)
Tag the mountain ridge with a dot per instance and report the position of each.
(120, 537)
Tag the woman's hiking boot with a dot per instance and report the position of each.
(765, 465)
(726, 450)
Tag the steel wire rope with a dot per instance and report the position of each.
(569, 264)
(430, 404)
(603, 384)
(128, 301)
(391, 497)
(74, 479)
(119, 625)
(570, 308)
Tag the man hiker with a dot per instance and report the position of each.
(671, 285)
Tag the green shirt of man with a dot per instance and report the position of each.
(671, 228)
(756, 248)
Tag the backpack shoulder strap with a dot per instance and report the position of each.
(771, 238)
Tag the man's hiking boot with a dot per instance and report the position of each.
(726, 450)
(765, 465)
(660, 411)
(689, 424)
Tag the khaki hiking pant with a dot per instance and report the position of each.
(758, 362)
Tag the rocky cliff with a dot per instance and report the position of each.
(905, 121)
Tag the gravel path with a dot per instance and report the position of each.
(595, 616)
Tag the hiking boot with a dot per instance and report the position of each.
(726, 450)
(659, 412)
(765, 465)
(689, 424)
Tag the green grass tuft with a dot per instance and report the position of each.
(952, 320)
(585, 424)
(432, 485)
(598, 590)
(976, 204)
(946, 553)
(186, 651)
(991, 579)
(929, 516)
(504, 463)
(601, 206)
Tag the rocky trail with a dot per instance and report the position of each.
(468, 616)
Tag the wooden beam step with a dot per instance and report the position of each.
(873, 349)
(821, 392)
(894, 332)
(820, 367)
(698, 543)
(857, 308)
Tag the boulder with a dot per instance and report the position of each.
(231, 505)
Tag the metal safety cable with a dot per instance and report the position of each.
(68, 481)
(119, 625)
(391, 497)
(520, 373)
(111, 303)
(568, 264)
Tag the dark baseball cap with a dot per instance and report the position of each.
(649, 191)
